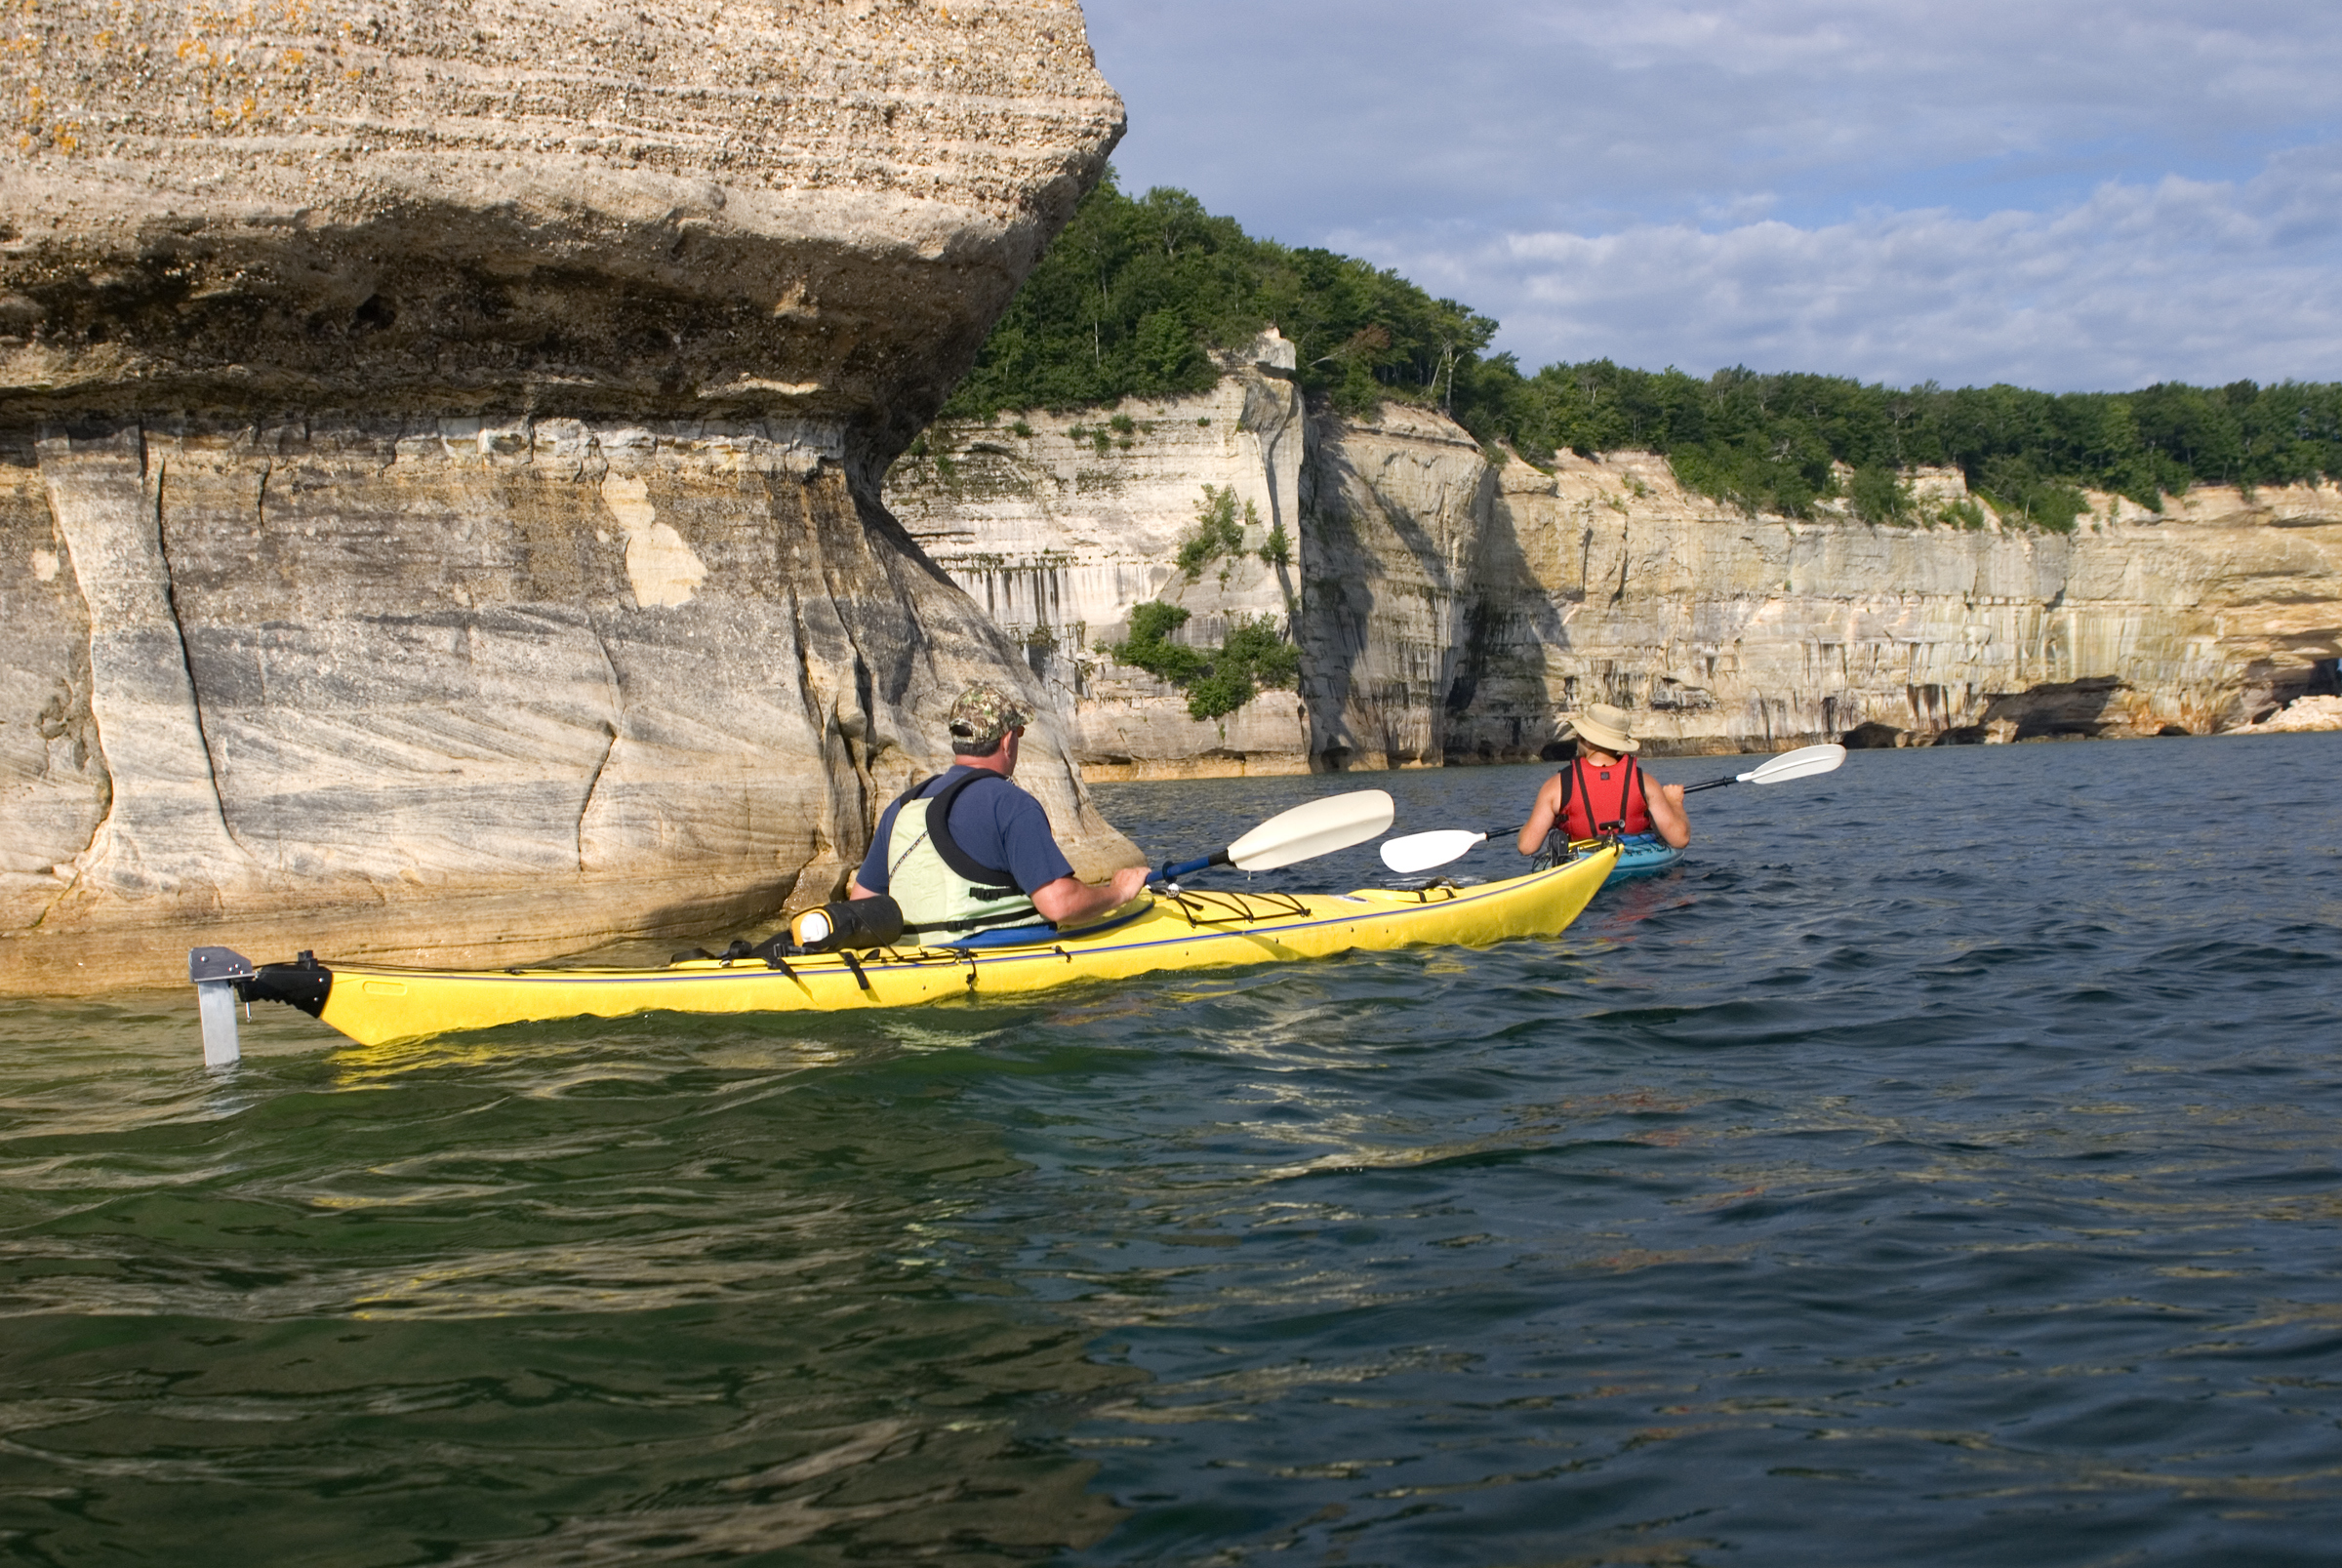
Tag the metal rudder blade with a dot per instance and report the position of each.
(218, 974)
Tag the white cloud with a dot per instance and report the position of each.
(2189, 280)
(2041, 191)
(1330, 113)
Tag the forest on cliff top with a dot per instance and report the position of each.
(1138, 292)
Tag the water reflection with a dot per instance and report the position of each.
(1875, 1187)
(629, 1293)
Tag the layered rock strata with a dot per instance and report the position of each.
(439, 458)
(2303, 715)
(1060, 524)
(1447, 606)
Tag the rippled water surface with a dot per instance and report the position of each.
(1939, 1167)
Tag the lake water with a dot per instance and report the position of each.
(1940, 1167)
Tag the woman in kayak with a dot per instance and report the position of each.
(1603, 792)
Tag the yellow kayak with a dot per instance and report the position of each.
(1189, 929)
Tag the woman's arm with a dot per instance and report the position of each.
(1541, 817)
(1665, 801)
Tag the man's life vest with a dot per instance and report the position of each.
(1598, 802)
(943, 889)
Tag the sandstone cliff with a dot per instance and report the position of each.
(439, 458)
(1057, 530)
(1447, 605)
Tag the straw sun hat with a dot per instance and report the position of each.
(1603, 726)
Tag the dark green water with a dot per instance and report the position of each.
(1941, 1167)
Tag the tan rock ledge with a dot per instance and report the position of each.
(439, 458)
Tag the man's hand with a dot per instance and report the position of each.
(1068, 899)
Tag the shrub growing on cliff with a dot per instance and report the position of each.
(1148, 646)
(1217, 532)
(1960, 513)
(1255, 657)
(1260, 646)
(1217, 681)
(1278, 548)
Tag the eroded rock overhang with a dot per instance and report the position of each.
(439, 456)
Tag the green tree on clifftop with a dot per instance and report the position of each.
(1136, 294)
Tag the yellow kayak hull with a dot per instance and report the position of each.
(374, 1004)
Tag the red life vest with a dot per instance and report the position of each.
(1595, 801)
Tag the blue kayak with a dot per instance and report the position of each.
(1641, 855)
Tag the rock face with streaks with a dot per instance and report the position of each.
(1057, 525)
(1449, 608)
(439, 458)
(1729, 632)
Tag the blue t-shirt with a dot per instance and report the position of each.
(996, 822)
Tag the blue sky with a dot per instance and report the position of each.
(2063, 195)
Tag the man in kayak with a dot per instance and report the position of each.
(1603, 792)
(973, 851)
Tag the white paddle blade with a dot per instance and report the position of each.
(1320, 827)
(1420, 851)
(1800, 764)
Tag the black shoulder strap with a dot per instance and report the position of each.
(991, 878)
(918, 783)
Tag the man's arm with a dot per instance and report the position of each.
(1069, 898)
(1039, 866)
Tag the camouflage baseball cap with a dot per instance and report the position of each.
(984, 714)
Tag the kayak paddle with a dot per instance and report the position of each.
(1802, 763)
(1320, 827)
(1420, 851)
